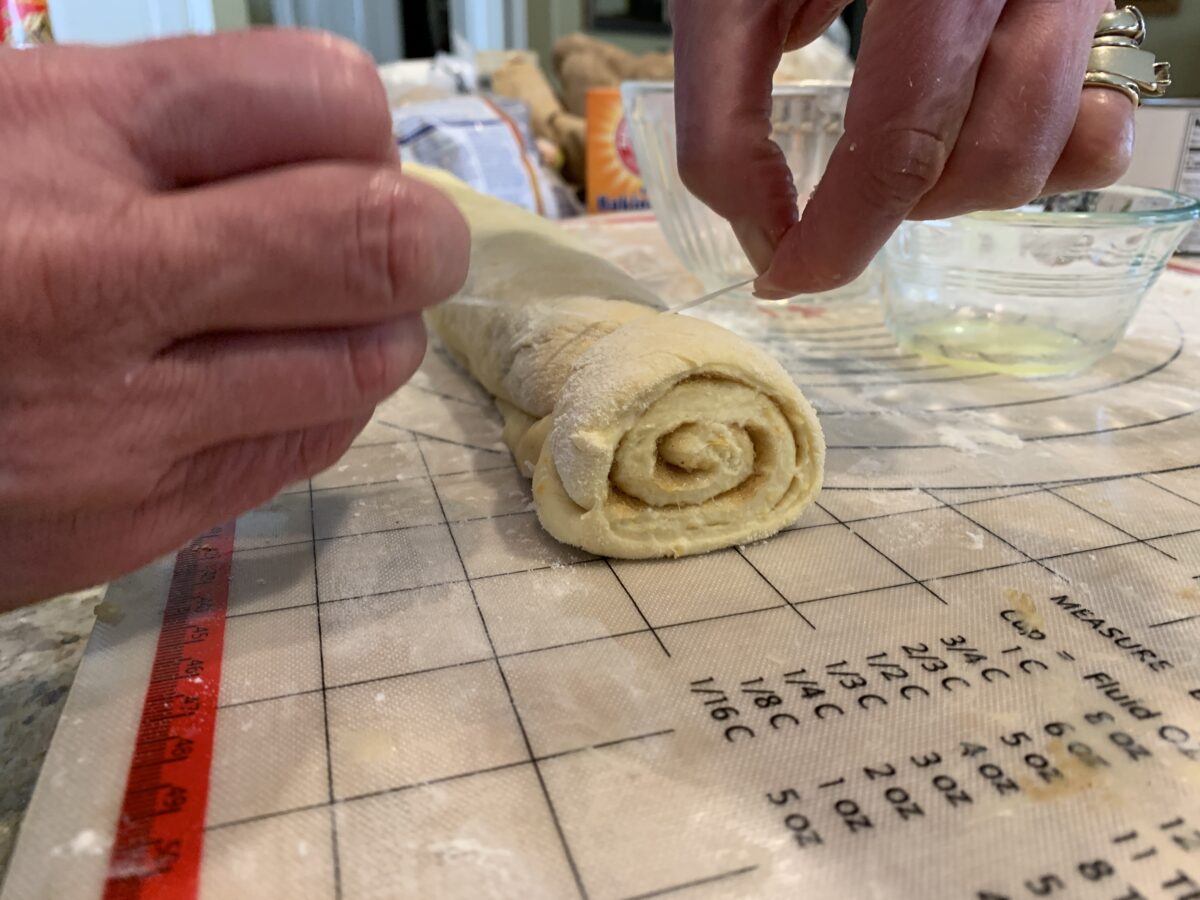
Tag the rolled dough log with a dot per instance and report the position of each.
(645, 435)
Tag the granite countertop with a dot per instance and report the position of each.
(40, 650)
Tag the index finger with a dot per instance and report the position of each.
(913, 85)
(726, 52)
(208, 108)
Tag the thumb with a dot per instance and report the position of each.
(726, 53)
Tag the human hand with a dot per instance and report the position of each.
(954, 107)
(211, 271)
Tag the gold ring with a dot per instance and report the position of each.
(1118, 61)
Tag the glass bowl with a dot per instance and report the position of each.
(806, 122)
(1046, 289)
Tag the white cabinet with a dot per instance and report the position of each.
(376, 25)
(117, 21)
(373, 24)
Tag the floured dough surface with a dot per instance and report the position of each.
(645, 435)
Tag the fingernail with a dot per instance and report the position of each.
(756, 244)
(766, 293)
(767, 288)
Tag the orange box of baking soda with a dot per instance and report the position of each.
(613, 180)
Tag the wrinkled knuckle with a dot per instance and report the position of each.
(371, 369)
(382, 257)
(905, 165)
(411, 254)
(411, 246)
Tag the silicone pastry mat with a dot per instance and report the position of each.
(971, 670)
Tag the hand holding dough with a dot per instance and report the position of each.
(646, 435)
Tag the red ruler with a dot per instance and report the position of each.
(160, 834)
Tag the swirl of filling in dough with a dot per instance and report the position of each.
(672, 436)
(646, 435)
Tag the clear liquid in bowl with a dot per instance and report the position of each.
(1024, 349)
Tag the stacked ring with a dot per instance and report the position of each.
(1118, 61)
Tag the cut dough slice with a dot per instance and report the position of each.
(645, 435)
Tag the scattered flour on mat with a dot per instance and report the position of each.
(976, 439)
(468, 850)
(867, 465)
(499, 869)
(497, 862)
(87, 842)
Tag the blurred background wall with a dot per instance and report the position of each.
(1174, 27)
(394, 29)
